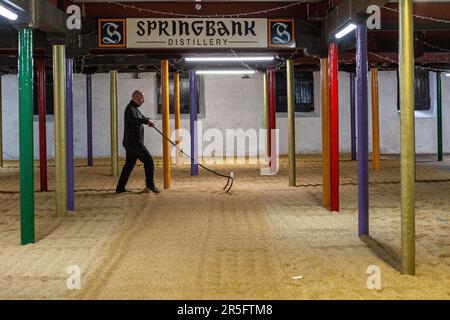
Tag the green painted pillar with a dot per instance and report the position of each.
(26, 135)
(439, 117)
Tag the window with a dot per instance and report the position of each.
(422, 99)
(48, 95)
(184, 94)
(304, 91)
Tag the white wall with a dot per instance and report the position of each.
(230, 103)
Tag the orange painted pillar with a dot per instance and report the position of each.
(325, 87)
(166, 121)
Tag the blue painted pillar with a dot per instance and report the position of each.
(69, 135)
(90, 158)
(193, 107)
(353, 115)
(363, 130)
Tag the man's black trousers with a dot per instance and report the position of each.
(144, 156)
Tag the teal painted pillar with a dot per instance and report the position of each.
(26, 135)
(439, 117)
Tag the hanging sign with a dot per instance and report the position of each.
(196, 33)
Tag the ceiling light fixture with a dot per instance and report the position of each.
(346, 30)
(5, 12)
(225, 72)
(227, 59)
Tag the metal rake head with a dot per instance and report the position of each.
(229, 182)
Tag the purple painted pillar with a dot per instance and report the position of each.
(69, 134)
(90, 161)
(363, 130)
(353, 115)
(193, 107)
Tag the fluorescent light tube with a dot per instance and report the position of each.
(225, 71)
(5, 12)
(227, 59)
(349, 28)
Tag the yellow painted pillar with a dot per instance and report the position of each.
(59, 98)
(375, 122)
(406, 57)
(291, 122)
(266, 110)
(325, 87)
(114, 124)
(166, 120)
(176, 98)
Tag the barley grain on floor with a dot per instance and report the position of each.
(195, 242)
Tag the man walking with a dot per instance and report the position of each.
(133, 141)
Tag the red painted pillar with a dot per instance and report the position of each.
(272, 111)
(334, 127)
(42, 124)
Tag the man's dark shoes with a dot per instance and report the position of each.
(121, 190)
(152, 188)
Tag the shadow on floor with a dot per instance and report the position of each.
(49, 229)
(383, 252)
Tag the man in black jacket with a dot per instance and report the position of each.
(133, 141)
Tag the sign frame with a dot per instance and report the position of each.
(269, 34)
(124, 34)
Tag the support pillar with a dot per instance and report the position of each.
(266, 110)
(406, 57)
(1, 123)
(352, 116)
(26, 165)
(193, 121)
(363, 129)
(291, 122)
(375, 122)
(69, 135)
(42, 106)
(59, 93)
(114, 124)
(334, 127)
(272, 113)
(439, 118)
(176, 96)
(166, 121)
(90, 158)
(325, 88)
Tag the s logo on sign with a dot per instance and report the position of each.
(112, 33)
(281, 33)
